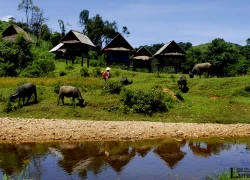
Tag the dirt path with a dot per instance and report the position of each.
(44, 130)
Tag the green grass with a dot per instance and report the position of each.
(228, 175)
(215, 100)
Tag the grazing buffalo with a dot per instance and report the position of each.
(200, 68)
(70, 91)
(182, 82)
(125, 81)
(23, 91)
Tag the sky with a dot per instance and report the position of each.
(151, 21)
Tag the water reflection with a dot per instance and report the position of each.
(170, 152)
(206, 149)
(97, 160)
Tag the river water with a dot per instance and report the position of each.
(147, 159)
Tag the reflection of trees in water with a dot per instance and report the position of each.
(118, 154)
(170, 152)
(15, 157)
(81, 158)
(206, 148)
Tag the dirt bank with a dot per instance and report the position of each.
(47, 130)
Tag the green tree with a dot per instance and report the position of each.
(55, 38)
(26, 5)
(185, 46)
(14, 56)
(37, 22)
(98, 30)
(248, 41)
(125, 31)
(62, 27)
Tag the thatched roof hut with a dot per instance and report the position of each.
(171, 54)
(73, 44)
(142, 59)
(10, 33)
(118, 50)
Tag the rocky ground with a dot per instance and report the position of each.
(50, 130)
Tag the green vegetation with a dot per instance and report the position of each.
(151, 97)
(228, 175)
(215, 100)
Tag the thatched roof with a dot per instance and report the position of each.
(12, 31)
(119, 43)
(142, 54)
(171, 48)
(75, 37)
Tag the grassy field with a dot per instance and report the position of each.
(215, 100)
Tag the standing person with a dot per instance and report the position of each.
(106, 75)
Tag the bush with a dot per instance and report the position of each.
(69, 67)
(114, 87)
(57, 87)
(38, 68)
(97, 72)
(146, 103)
(84, 72)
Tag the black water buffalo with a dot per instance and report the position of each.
(70, 91)
(182, 82)
(200, 68)
(23, 91)
(125, 81)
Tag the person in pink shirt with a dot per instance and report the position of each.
(106, 75)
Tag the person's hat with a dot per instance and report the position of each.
(108, 68)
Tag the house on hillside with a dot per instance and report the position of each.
(71, 45)
(142, 59)
(10, 33)
(171, 54)
(118, 50)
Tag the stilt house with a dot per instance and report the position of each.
(171, 54)
(142, 59)
(118, 50)
(73, 44)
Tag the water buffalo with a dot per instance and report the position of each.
(182, 82)
(23, 91)
(125, 81)
(70, 91)
(200, 68)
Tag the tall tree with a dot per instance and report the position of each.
(83, 19)
(26, 5)
(62, 27)
(125, 31)
(98, 30)
(248, 41)
(38, 19)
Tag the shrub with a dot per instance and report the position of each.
(147, 102)
(84, 72)
(97, 72)
(69, 67)
(57, 87)
(114, 87)
(38, 68)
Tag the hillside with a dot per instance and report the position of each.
(221, 100)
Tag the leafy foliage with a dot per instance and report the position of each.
(14, 56)
(38, 68)
(147, 102)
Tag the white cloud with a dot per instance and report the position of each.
(6, 18)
